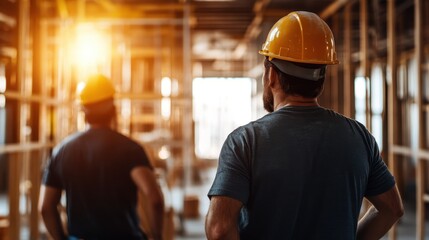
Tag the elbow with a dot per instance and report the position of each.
(43, 209)
(399, 212)
(46, 210)
(215, 232)
(158, 204)
(219, 230)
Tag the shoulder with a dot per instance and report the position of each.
(68, 141)
(129, 142)
(352, 123)
(244, 131)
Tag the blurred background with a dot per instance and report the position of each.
(188, 73)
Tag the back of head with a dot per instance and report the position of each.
(96, 98)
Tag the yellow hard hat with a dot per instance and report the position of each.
(96, 88)
(301, 37)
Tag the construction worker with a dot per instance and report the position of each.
(101, 171)
(301, 171)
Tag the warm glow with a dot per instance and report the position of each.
(91, 47)
(80, 86)
(165, 86)
(2, 79)
(126, 108)
(2, 101)
(166, 108)
(2, 84)
(164, 153)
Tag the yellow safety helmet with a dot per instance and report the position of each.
(96, 89)
(301, 37)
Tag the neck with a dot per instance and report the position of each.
(294, 100)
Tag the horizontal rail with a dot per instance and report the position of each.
(24, 147)
(407, 151)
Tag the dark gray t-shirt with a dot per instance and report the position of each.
(301, 173)
(94, 168)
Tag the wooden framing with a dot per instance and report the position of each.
(421, 171)
(348, 82)
(391, 95)
(364, 57)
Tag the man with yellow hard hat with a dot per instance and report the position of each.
(301, 171)
(100, 171)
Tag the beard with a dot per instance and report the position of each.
(268, 99)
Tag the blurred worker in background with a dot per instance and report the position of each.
(301, 171)
(101, 171)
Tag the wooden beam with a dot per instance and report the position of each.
(15, 162)
(392, 88)
(8, 20)
(421, 164)
(15, 165)
(408, 152)
(364, 61)
(253, 29)
(335, 104)
(348, 85)
(187, 124)
(62, 8)
(25, 147)
(334, 8)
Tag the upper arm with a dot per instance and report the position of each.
(145, 180)
(222, 217)
(389, 202)
(49, 197)
(233, 174)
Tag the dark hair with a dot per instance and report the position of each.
(104, 118)
(100, 112)
(297, 86)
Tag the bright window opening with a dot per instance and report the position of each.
(360, 99)
(219, 106)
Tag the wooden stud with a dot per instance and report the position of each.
(421, 165)
(392, 88)
(348, 85)
(364, 58)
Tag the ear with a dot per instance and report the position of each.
(273, 78)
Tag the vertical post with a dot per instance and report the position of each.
(15, 164)
(36, 121)
(364, 61)
(14, 177)
(188, 148)
(421, 166)
(348, 85)
(334, 71)
(80, 4)
(35, 179)
(392, 89)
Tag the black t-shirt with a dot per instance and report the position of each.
(93, 167)
(301, 173)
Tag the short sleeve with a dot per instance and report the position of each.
(233, 174)
(380, 179)
(137, 157)
(51, 176)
